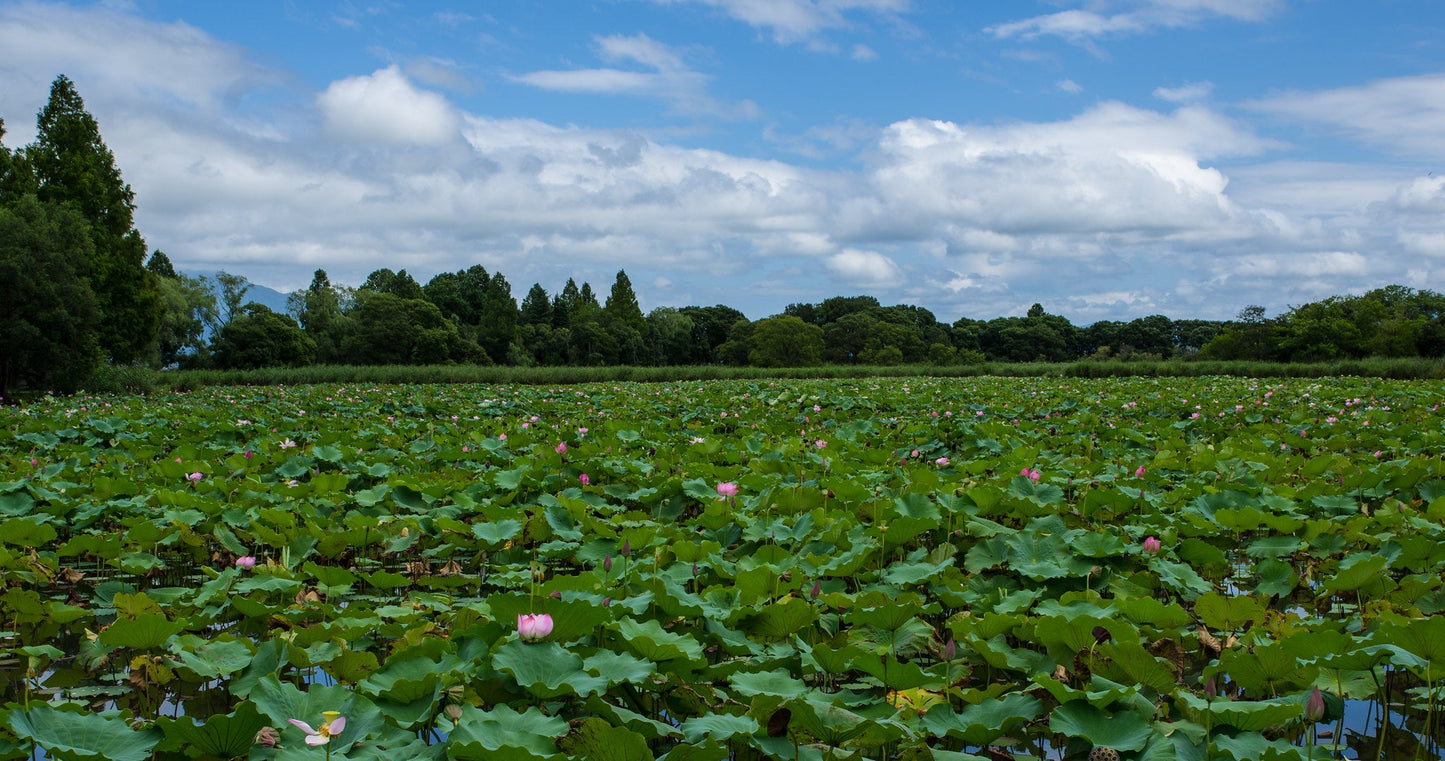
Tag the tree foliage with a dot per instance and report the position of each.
(259, 337)
(73, 166)
(48, 315)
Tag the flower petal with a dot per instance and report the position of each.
(317, 739)
(337, 725)
(303, 725)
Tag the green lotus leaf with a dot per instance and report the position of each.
(141, 633)
(777, 682)
(1222, 613)
(1120, 730)
(596, 740)
(985, 722)
(221, 736)
(546, 670)
(718, 726)
(502, 733)
(1244, 715)
(213, 659)
(649, 640)
(72, 736)
(618, 668)
(497, 533)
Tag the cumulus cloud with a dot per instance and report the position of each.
(865, 269)
(386, 107)
(1117, 18)
(1403, 114)
(1069, 86)
(1115, 169)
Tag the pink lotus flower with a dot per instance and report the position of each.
(287, 443)
(584, 480)
(1140, 472)
(194, 478)
(727, 489)
(534, 627)
(820, 443)
(1152, 546)
(941, 462)
(562, 448)
(333, 726)
(1032, 475)
(246, 562)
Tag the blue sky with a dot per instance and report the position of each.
(1109, 159)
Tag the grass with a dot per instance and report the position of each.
(1402, 369)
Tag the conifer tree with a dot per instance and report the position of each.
(536, 308)
(622, 305)
(74, 167)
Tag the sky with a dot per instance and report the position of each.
(1108, 159)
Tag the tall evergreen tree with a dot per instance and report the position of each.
(565, 303)
(536, 308)
(497, 322)
(160, 265)
(73, 166)
(622, 305)
(587, 297)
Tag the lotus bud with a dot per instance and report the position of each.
(815, 591)
(1152, 546)
(607, 564)
(1211, 690)
(950, 649)
(1315, 706)
(626, 548)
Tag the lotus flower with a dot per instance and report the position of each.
(562, 448)
(727, 489)
(1152, 546)
(1140, 472)
(1032, 475)
(333, 726)
(246, 562)
(534, 627)
(584, 480)
(194, 478)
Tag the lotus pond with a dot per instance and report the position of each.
(909, 568)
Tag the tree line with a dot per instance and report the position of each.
(78, 292)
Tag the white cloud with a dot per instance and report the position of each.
(1069, 86)
(1188, 93)
(796, 20)
(670, 78)
(1116, 18)
(105, 51)
(1114, 170)
(1403, 114)
(385, 107)
(865, 269)
(862, 52)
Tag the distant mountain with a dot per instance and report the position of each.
(260, 294)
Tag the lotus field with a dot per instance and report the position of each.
(907, 568)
